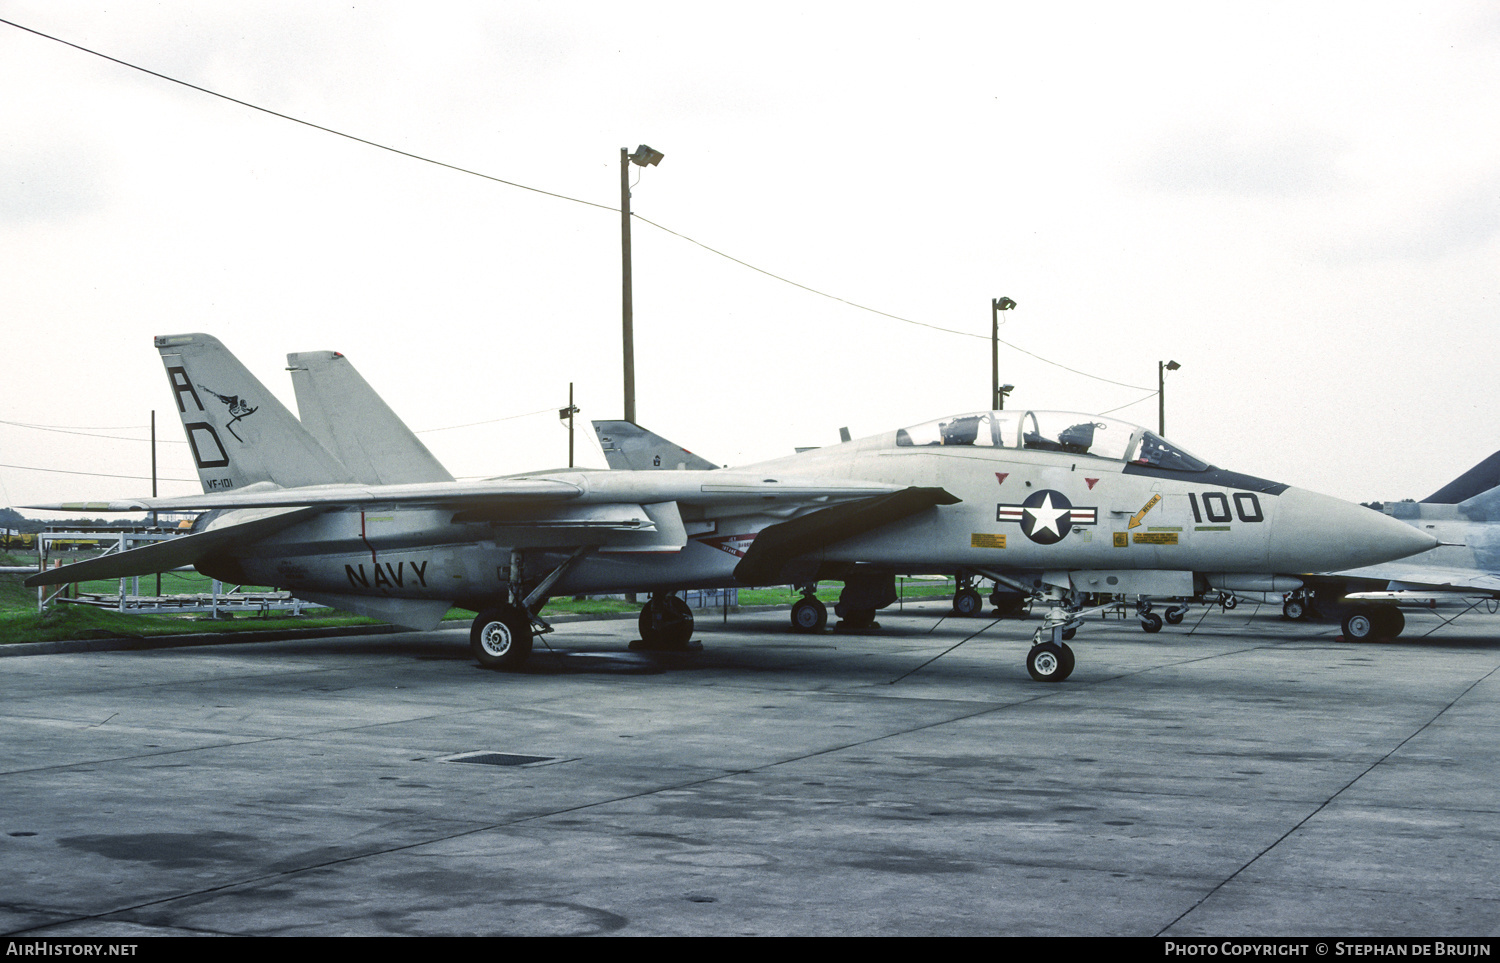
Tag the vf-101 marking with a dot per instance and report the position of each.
(303, 496)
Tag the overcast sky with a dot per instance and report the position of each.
(1299, 202)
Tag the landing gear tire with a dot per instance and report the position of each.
(666, 622)
(858, 619)
(501, 638)
(1231, 602)
(1049, 663)
(809, 615)
(1008, 603)
(1378, 623)
(1175, 615)
(1390, 622)
(1068, 634)
(1294, 610)
(1359, 626)
(1151, 622)
(967, 602)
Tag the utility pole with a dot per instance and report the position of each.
(642, 157)
(153, 487)
(568, 413)
(627, 307)
(997, 400)
(1162, 367)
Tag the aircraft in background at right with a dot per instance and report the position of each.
(1463, 570)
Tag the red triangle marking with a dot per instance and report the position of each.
(1000, 477)
(1092, 482)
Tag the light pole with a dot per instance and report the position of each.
(1162, 367)
(1000, 396)
(566, 414)
(997, 400)
(643, 156)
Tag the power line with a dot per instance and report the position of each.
(298, 120)
(94, 474)
(82, 430)
(1130, 405)
(565, 197)
(428, 431)
(58, 429)
(884, 314)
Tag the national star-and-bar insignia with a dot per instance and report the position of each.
(1046, 516)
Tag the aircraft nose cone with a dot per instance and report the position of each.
(1317, 533)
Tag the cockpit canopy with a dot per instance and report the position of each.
(1061, 431)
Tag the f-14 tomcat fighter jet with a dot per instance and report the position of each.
(1462, 572)
(1063, 506)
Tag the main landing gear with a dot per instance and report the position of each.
(1373, 623)
(967, 602)
(864, 594)
(809, 614)
(500, 638)
(501, 635)
(666, 624)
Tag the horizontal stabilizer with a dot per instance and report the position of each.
(426, 495)
(628, 446)
(779, 544)
(419, 614)
(169, 554)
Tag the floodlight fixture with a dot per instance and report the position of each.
(644, 156)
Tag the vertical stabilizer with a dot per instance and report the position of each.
(1483, 477)
(343, 412)
(629, 446)
(237, 431)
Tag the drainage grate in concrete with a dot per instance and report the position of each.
(500, 759)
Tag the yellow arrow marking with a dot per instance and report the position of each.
(1135, 520)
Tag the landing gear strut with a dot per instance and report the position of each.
(501, 637)
(1050, 658)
